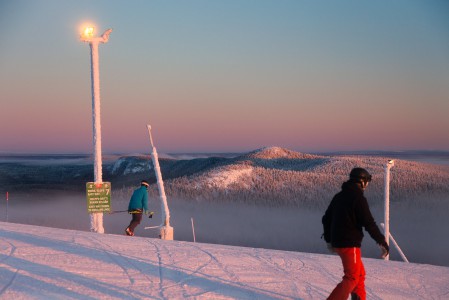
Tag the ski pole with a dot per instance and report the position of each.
(150, 215)
(117, 211)
(128, 211)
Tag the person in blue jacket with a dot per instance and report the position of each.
(138, 204)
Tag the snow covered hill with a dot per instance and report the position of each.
(47, 263)
(272, 175)
(277, 153)
(277, 177)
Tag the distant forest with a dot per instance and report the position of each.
(307, 181)
(269, 176)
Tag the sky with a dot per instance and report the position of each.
(226, 76)
(106, 266)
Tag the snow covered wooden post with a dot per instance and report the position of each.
(166, 231)
(96, 219)
(388, 166)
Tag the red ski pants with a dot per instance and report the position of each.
(354, 275)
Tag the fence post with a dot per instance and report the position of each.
(7, 200)
(193, 230)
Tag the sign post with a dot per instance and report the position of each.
(98, 197)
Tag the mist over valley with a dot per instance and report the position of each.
(268, 198)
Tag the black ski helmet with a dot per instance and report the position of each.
(360, 174)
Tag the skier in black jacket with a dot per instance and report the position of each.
(347, 213)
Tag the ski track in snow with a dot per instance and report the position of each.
(47, 263)
(133, 271)
(311, 290)
(12, 249)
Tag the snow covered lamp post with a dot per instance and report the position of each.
(96, 219)
(388, 166)
(166, 231)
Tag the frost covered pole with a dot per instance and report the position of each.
(388, 166)
(96, 219)
(166, 231)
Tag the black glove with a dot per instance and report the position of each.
(384, 248)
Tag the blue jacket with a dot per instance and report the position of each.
(139, 199)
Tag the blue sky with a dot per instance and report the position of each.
(227, 75)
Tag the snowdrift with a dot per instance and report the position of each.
(47, 263)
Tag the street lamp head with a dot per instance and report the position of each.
(89, 31)
(87, 34)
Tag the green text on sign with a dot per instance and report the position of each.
(98, 197)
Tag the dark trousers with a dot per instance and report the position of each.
(136, 219)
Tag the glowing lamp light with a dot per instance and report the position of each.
(89, 32)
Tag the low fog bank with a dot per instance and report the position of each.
(422, 232)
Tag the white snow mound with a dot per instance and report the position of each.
(47, 263)
(278, 153)
(223, 177)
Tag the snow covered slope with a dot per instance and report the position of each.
(47, 263)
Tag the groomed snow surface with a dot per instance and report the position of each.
(47, 263)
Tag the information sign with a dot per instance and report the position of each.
(98, 197)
